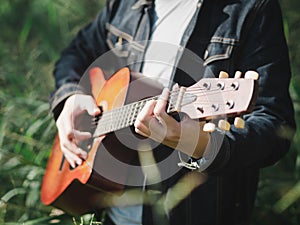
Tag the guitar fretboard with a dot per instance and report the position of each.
(119, 118)
(126, 115)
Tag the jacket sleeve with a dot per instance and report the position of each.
(270, 127)
(75, 59)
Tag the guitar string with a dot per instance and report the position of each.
(172, 94)
(109, 122)
(116, 111)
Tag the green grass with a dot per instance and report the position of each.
(33, 33)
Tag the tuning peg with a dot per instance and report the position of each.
(251, 75)
(209, 127)
(224, 125)
(223, 74)
(237, 74)
(239, 123)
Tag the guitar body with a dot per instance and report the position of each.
(82, 189)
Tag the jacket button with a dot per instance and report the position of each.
(132, 57)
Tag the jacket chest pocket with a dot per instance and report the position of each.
(118, 41)
(219, 54)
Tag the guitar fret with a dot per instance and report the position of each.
(124, 116)
(116, 119)
(129, 119)
(132, 116)
(119, 118)
(128, 114)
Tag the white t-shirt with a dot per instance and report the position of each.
(173, 17)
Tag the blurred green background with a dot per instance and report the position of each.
(32, 35)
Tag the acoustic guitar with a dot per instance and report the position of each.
(121, 97)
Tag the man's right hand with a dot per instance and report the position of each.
(68, 135)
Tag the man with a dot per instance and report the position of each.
(226, 36)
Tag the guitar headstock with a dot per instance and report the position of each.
(217, 98)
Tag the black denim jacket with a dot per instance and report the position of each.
(227, 35)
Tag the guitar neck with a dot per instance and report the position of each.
(119, 118)
(207, 99)
(126, 115)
